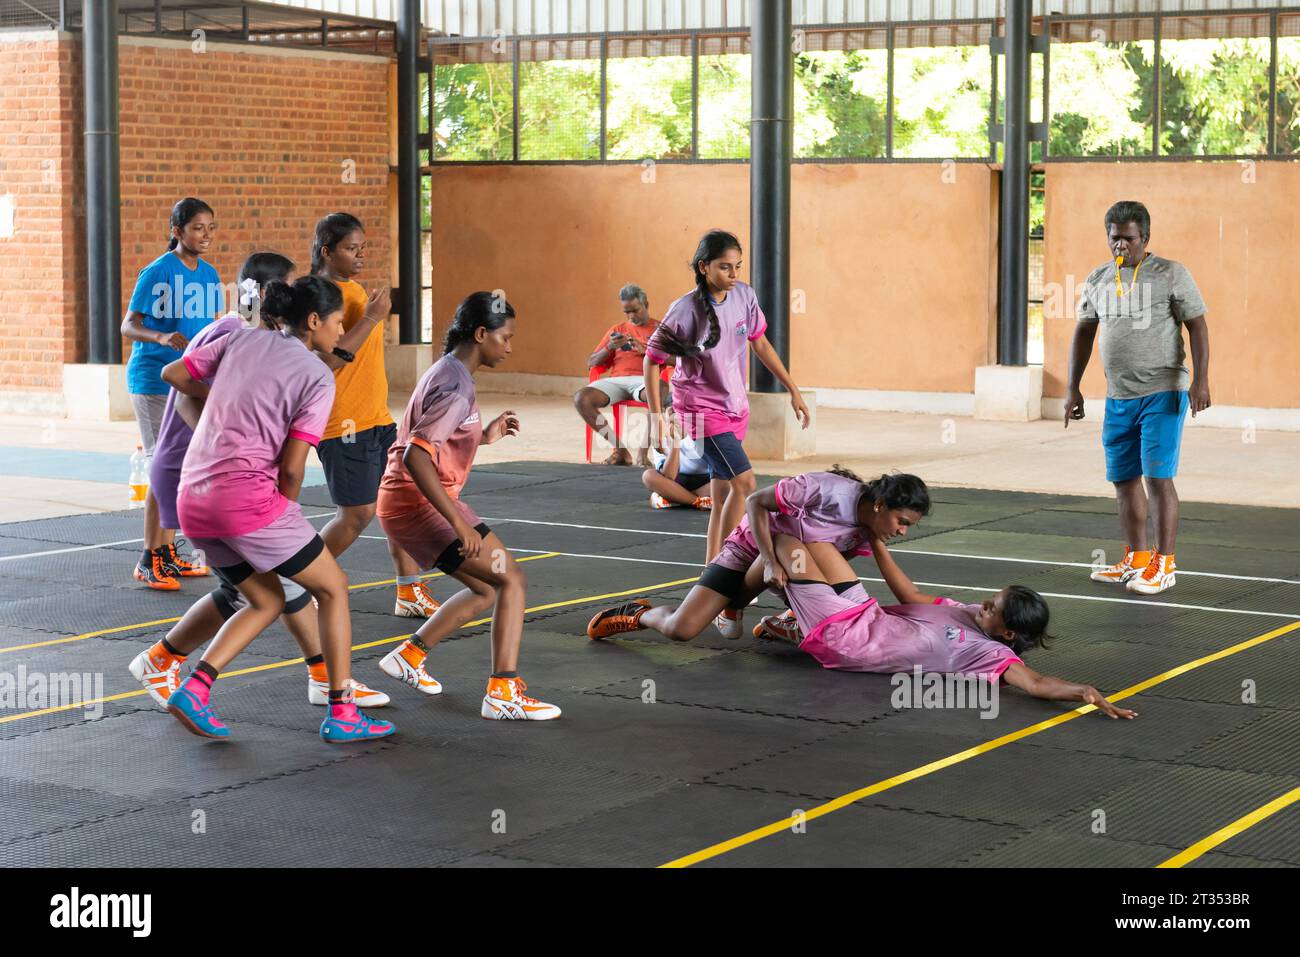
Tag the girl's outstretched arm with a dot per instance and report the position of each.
(767, 355)
(896, 578)
(1054, 689)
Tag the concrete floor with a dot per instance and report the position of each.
(1230, 466)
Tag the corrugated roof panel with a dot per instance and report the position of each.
(482, 17)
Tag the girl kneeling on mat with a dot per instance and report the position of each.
(421, 511)
(268, 402)
(835, 512)
(158, 668)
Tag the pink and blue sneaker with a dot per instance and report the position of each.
(196, 716)
(346, 723)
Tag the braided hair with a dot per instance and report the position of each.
(712, 245)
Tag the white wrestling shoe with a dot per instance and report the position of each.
(396, 666)
(318, 692)
(729, 623)
(159, 684)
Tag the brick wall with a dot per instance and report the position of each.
(40, 171)
(263, 138)
(271, 139)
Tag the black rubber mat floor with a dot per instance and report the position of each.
(713, 753)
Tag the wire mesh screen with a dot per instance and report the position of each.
(724, 97)
(841, 94)
(1102, 83)
(473, 101)
(1175, 85)
(560, 99)
(1287, 109)
(648, 102)
(33, 14)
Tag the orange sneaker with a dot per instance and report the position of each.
(1127, 567)
(1158, 576)
(183, 567)
(704, 503)
(505, 701)
(414, 601)
(156, 574)
(782, 627)
(616, 620)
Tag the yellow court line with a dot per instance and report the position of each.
(1232, 830)
(170, 621)
(852, 797)
(369, 644)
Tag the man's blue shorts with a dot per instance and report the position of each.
(1143, 436)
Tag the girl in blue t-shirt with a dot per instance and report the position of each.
(175, 296)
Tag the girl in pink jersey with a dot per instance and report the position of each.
(709, 331)
(158, 668)
(850, 632)
(420, 509)
(835, 512)
(267, 405)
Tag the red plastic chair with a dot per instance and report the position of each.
(617, 407)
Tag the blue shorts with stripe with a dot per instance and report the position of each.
(1143, 436)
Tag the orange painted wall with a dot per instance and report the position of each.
(1238, 238)
(893, 260)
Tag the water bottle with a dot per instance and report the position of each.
(139, 481)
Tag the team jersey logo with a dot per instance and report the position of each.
(471, 419)
(955, 633)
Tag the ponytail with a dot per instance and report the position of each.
(258, 271)
(331, 231)
(182, 213)
(712, 245)
(291, 305)
(485, 310)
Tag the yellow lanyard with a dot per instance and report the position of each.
(1119, 283)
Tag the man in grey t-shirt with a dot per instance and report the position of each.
(1141, 302)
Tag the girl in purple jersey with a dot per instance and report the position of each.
(268, 403)
(158, 668)
(835, 512)
(933, 634)
(709, 332)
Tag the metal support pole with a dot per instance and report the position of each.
(1013, 239)
(771, 149)
(103, 184)
(408, 173)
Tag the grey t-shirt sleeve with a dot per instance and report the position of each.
(1086, 311)
(1185, 300)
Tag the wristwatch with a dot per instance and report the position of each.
(344, 354)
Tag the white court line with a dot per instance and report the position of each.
(125, 541)
(903, 549)
(948, 585)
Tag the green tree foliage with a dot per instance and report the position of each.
(473, 111)
(724, 106)
(559, 110)
(1214, 101)
(1214, 97)
(941, 101)
(649, 109)
(1288, 95)
(840, 103)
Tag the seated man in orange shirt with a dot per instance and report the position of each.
(622, 352)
